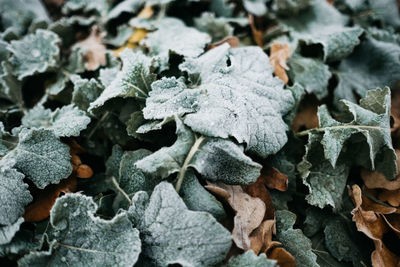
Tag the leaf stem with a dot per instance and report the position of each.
(121, 190)
(365, 127)
(185, 165)
(98, 124)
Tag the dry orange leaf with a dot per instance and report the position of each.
(93, 49)
(283, 257)
(249, 211)
(261, 238)
(280, 53)
(274, 179)
(257, 34)
(306, 116)
(233, 41)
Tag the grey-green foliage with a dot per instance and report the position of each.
(7, 232)
(324, 25)
(255, 7)
(122, 36)
(14, 196)
(3, 147)
(79, 238)
(325, 183)
(293, 240)
(370, 119)
(86, 6)
(173, 35)
(215, 159)
(132, 81)
(311, 73)
(387, 10)
(171, 234)
(129, 6)
(373, 64)
(10, 87)
(238, 97)
(67, 121)
(35, 53)
(42, 157)
(85, 91)
(290, 7)
(217, 27)
(250, 259)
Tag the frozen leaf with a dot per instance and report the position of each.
(67, 121)
(10, 87)
(79, 238)
(217, 27)
(249, 211)
(42, 157)
(324, 25)
(172, 234)
(85, 91)
(93, 50)
(373, 64)
(250, 259)
(370, 119)
(280, 53)
(215, 159)
(291, 7)
(14, 196)
(122, 36)
(173, 35)
(35, 53)
(86, 6)
(388, 10)
(7, 232)
(294, 240)
(132, 81)
(311, 73)
(128, 6)
(255, 7)
(237, 97)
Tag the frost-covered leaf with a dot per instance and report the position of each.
(293, 240)
(35, 53)
(7, 232)
(370, 119)
(322, 24)
(67, 121)
(325, 183)
(311, 73)
(255, 7)
(291, 7)
(85, 91)
(128, 6)
(387, 10)
(122, 36)
(238, 97)
(99, 6)
(171, 234)
(133, 80)
(250, 259)
(372, 64)
(14, 196)
(42, 157)
(215, 159)
(10, 87)
(79, 238)
(173, 35)
(217, 28)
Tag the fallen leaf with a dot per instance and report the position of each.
(257, 34)
(306, 117)
(249, 211)
(280, 53)
(284, 258)
(94, 51)
(372, 225)
(274, 179)
(233, 41)
(261, 238)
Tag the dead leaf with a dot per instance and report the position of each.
(233, 41)
(280, 53)
(274, 179)
(306, 117)
(249, 211)
(372, 225)
(93, 49)
(261, 238)
(283, 257)
(257, 34)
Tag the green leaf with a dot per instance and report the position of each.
(81, 239)
(8, 232)
(35, 53)
(171, 234)
(373, 64)
(132, 81)
(14, 196)
(293, 240)
(238, 97)
(67, 121)
(173, 35)
(322, 24)
(250, 259)
(215, 159)
(85, 91)
(42, 157)
(311, 73)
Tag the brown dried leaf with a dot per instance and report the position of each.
(261, 238)
(93, 49)
(306, 116)
(280, 53)
(249, 211)
(233, 41)
(284, 258)
(257, 34)
(274, 179)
